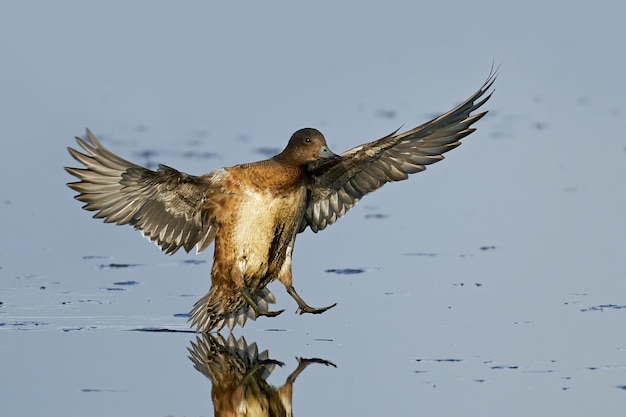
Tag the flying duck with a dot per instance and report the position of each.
(254, 211)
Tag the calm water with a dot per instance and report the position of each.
(492, 284)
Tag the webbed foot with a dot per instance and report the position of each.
(303, 307)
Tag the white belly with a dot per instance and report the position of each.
(264, 234)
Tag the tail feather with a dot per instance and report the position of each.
(221, 307)
(221, 359)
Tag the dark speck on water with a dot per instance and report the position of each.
(160, 330)
(376, 216)
(23, 324)
(193, 261)
(462, 284)
(487, 247)
(76, 329)
(99, 390)
(603, 307)
(346, 271)
(89, 300)
(114, 265)
(126, 283)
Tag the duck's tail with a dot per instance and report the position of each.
(223, 307)
(228, 360)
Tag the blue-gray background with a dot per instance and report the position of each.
(531, 324)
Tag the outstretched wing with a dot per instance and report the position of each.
(169, 207)
(337, 185)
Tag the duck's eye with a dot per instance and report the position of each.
(307, 140)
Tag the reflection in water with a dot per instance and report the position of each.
(238, 373)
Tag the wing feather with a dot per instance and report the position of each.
(367, 167)
(169, 207)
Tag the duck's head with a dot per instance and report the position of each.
(305, 146)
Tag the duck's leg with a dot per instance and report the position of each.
(255, 306)
(302, 364)
(285, 276)
(303, 307)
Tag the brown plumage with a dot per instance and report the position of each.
(254, 211)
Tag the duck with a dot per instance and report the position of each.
(253, 212)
